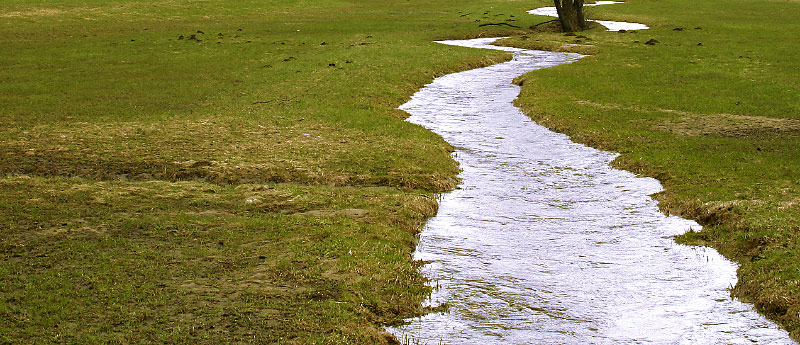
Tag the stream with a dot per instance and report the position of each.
(545, 243)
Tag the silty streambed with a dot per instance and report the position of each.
(545, 243)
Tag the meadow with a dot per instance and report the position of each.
(237, 171)
(218, 171)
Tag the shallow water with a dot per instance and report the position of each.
(544, 243)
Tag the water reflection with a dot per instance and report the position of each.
(544, 243)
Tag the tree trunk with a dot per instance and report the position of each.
(570, 14)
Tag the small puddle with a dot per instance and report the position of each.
(545, 243)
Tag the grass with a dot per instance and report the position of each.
(220, 172)
(237, 171)
(213, 264)
(712, 110)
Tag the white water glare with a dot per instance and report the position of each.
(545, 243)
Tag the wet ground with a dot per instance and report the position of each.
(544, 243)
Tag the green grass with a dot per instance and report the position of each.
(215, 264)
(256, 184)
(712, 110)
(220, 171)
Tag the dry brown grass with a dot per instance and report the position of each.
(726, 125)
(41, 12)
(87, 13)
(555, 42)
(729, 125)
(214, 151)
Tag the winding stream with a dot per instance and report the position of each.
(545, 243)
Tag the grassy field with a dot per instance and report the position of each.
(220, 171)
(236, 171)
(712, 110)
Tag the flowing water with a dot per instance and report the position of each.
(545, 243)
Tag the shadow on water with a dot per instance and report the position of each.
(545, 243)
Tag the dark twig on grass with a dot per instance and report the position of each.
(272, 100)
(282, 99)
(549, 21)
(506, 24)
